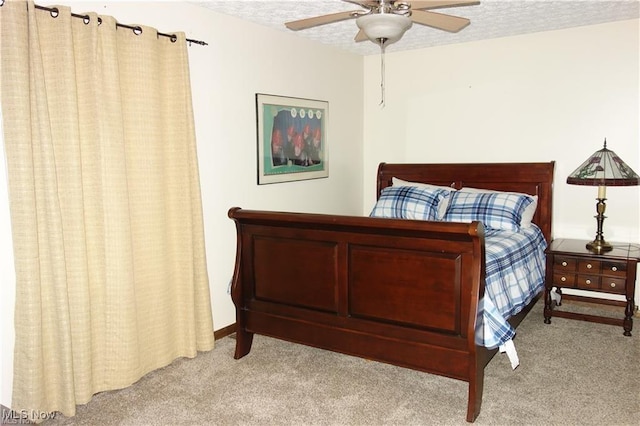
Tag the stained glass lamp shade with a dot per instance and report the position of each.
(603, 168)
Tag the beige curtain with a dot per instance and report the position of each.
(105, 205)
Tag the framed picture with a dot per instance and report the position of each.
(292, 138)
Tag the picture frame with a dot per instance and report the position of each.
(292, 138)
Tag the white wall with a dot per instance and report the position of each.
(242, 59)
(539, 97)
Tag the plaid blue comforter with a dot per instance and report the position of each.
(515, 269)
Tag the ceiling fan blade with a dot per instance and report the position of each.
(319, 20)
(434, 4)
(361, 36)
(363, 2)
(440, 21)
(417, 4)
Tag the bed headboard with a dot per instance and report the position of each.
(528, 178)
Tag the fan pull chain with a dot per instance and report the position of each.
(382, 73)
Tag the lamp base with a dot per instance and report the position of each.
(599, 246)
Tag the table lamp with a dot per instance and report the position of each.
(603, 168)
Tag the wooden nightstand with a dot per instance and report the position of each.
(571, 265)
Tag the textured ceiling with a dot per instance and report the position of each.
(489, 19)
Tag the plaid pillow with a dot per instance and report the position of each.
(527, 215)
(409, 202)
(496, 210)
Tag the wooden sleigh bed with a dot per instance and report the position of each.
(404, 292)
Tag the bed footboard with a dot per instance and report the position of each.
(398, 291)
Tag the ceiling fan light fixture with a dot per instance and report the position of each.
(387, 26)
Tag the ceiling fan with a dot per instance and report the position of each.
(385, 21)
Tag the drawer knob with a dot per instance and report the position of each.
(563, 279)
(564, 263)
(614, 268)
(589, 266)
(588, 281)
(612, 285)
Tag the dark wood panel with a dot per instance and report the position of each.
(389, 285)
(296, 272)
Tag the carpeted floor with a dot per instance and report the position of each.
(571, 373)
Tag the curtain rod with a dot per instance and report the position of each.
(136, 30)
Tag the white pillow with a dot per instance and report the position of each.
(399, 182)
(527, 214)
(442, 207)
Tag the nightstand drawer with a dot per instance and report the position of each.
(589, 266)
(563, 263)
(617, 269)
(613, 285)
(564, 280)
(588, 282)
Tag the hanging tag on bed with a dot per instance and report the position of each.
(510, 349)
